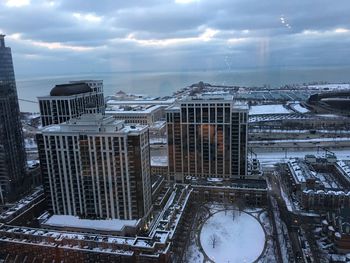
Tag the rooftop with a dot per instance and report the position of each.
(131, 109)
(2, 40)
(157, 242)
(22, 205)
(210, 99)
(320, 171)
(100, 225)
(93, 123)
(268, 109)
(70, 89)
(142, 102)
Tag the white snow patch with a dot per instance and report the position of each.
(159, 160)
(268, 109)
(104, 225)
(238, 239)
(299, 108)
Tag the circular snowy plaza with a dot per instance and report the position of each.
(232, 237)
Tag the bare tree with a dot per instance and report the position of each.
(240, 203)
(214, 240)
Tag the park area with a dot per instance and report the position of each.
(232, 236)
(227, 234)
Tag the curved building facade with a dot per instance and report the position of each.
(330, 102)
(71, 100)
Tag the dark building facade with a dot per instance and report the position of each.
(71, 100)
(335, 102)
(12, 153)
(207, 137)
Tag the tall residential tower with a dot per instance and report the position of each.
(96, 167)
(12, 152)
(207, 137)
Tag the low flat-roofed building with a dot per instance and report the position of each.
(318, 182)
(31, 244)
(250, 192)
(147, 115)
(104, 227)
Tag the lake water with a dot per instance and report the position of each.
(165, 83)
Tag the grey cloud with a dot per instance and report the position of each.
(160, 19)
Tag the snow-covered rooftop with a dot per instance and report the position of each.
(268, 109)
(299, 108)
(102, 225)
(299, 170)
(141, 102)
(344, 169)
(22, 204)
(136, 111)
(94, 124)
(159, 160)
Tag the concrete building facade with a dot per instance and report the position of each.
(96, 167)
(147, 115)
(71, 100)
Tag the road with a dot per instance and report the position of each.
(291, 220)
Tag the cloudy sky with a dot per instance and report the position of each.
(75, 36)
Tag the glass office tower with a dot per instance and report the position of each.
(12, 152)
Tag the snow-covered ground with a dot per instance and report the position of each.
(270, 251)
(268, 109)
(232, 237)
(193, 254)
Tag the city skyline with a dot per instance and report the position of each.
(236, 165)
(120, 36)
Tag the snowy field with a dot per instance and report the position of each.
(268, 109)
(232, 237)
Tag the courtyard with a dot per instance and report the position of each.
(224, 233)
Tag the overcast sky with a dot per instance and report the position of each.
(82, 36)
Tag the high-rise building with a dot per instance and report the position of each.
(207, 137)
(96, 167)
(12, 152)
(71, 100)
